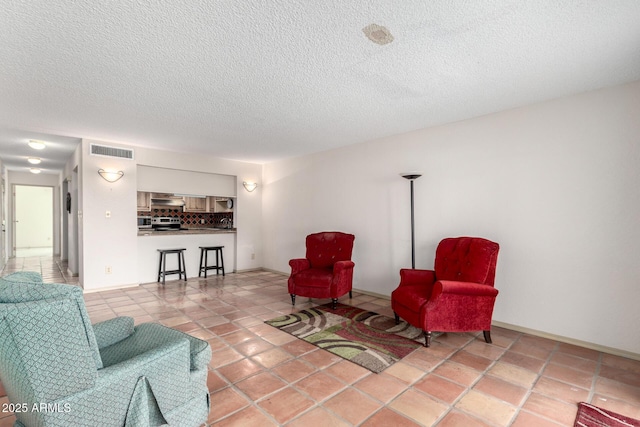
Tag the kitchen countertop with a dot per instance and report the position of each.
(187, 231)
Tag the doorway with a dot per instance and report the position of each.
(33, 218)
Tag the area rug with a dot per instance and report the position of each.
(369, 339)
(592, 416)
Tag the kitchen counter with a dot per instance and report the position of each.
(191, 240)
(186, 232)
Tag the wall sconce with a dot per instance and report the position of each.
(249, 186)
(110, 176)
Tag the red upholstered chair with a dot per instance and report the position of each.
(327, 270)
(457, 296)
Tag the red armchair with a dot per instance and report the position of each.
(457, 296)
(327, 270)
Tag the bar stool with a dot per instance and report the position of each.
(162, 266)
(204, 250)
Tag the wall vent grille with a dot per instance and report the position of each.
(103, 150)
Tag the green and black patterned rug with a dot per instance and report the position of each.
(369, 339)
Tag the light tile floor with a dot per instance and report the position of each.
(260, 376)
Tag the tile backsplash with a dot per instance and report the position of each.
(191, 219)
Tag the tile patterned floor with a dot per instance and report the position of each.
(260, 376)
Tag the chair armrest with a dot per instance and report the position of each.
(299, 264)
(462, 288)
(175, 349)
(165, 368)
(340, 266)
(199, 350)
(412, 277)
(113, 330)
(148, 336)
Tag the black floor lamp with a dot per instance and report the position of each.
(412, 176)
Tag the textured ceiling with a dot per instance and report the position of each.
(259, 81)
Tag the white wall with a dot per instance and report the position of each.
(69, 221)
(556, 184)
(107, 241)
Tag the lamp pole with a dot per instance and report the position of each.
(412, 176)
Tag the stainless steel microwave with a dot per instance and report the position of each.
(144, 222)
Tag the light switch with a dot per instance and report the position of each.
(107, 214)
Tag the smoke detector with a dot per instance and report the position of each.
(378, 34)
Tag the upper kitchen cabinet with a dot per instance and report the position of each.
(156, 179)
(222, 204)
(144, 201)
(196, 204)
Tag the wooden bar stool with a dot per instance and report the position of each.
(162, 266)
(204, 250)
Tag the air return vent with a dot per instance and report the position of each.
(103, 150)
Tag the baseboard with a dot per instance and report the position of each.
(249, 270)
(373, 294)
(271, 271)
(109, 288)
(567, 340)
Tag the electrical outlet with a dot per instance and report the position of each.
(107, 269)
(253, 256)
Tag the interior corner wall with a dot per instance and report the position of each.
(556, 184)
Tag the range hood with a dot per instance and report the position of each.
(166, 200)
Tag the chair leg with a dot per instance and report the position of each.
(350, 294)
(293, 299)
(397, 318)
(334, 303)
(427, 338)
(487, 336)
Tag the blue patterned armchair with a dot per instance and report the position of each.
(59, 370)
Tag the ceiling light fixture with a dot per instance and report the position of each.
(378, 34)
(110, 176)
(249, 186)
(34, 160)
(36, 145)
(35, 170)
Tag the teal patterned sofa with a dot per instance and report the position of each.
(59, 370)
